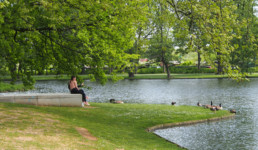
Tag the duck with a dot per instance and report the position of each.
(173, 103)
(115, 101)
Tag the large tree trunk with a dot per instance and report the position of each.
(12, 68)
(199, 60)
(131, 74)
(220, 67)
(167, 70)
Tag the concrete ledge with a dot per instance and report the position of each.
(187, 123)
(44, 99)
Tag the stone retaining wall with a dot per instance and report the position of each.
(44, 99)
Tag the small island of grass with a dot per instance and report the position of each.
(114, 126)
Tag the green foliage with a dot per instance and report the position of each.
(28, 81)
(67, 35)
(161, 45)
(6, 87)
(191, 70)
(187, 63)
(246, 42)
(149, 70)
(207, 27)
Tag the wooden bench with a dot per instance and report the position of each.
(44, 99)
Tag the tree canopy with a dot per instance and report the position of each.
(68, 35)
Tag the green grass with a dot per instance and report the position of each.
(116, 126)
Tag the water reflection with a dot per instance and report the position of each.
(239, 133)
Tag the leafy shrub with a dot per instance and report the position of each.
(186, 63)
(191, 70)
(150, 70)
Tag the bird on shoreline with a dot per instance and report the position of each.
(219, 107)
(209, 106)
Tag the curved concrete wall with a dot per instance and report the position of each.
(44, 99)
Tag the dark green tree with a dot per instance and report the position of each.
(245, 44)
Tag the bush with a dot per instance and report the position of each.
(194, 69)
(150, 70)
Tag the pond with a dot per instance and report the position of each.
(239, 133)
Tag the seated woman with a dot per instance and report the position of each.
(75, 90)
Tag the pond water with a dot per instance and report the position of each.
(240, 133)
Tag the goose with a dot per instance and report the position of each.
(213, 109)
(173, 103)
(199, 104)
(209, 106)
(219, 107)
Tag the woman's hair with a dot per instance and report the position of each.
(72, 77)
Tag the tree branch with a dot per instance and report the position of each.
(177, 10)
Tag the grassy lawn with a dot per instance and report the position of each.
(116, 126)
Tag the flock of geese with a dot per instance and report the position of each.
(214, 107)
(211, 107)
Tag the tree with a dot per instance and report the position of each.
(210, 24)
(246, 43)
(161, 42)
(67, 35)
(144, 29)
